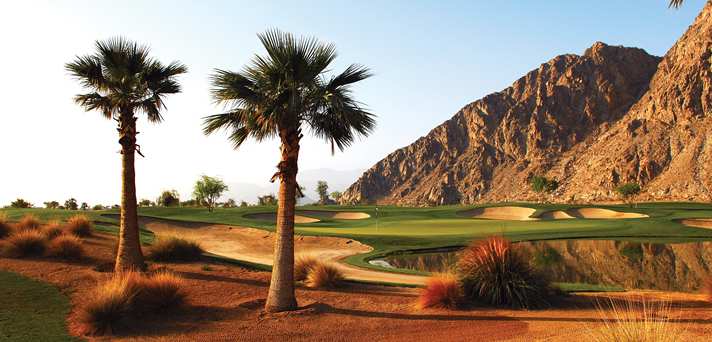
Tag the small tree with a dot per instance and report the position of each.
(542, 185)
(51, 205)
(207, 190)
(84, 206)
(244, 204)
(230, 203)
(322, 188)
(20, 203)
(98, 207)
(168, 198)
(71, 204)
(628, 191)
(267, 200)
(144, 203)
(336, 196)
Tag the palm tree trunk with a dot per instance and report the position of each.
(128, 255)
(281, 289)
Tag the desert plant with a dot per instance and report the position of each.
(158, 291)
(495, 272)
(628, 191)
(52, 229)
(26, 243)
(28, 222)
(173, 248)
(302, 265)
(280, 94)
(66, 247)
(323, 275)
(636, 321)
(79, 225)
(322, 189)
(123, 81)
(440, 291)
(5, 227)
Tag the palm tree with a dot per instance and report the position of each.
(125, 81)
(675, 3)
(278, 95)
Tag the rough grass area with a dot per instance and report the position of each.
(302, 265)
(171, 248)
(5, 228)
(79, 225)
(633, 321)
(28, 222)
(31, 310)
(25, 243)
(440, 291)
(324, 275)
(68, 247)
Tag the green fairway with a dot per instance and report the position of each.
(31, 310)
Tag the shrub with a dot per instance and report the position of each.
(26, 243)
(639, 322)
(28, 222)
(175, 249)
(494, 272)
(67, 247)
(441, 291)
(5, 228)
(52, 229)
(127, 296)
(323, 275)
(79, 225)
(302, 266)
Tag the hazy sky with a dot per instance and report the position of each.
(430, 58)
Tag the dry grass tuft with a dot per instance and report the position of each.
(5, 227)
(25, 243)
(173, 248)
(637, 322)
(323, 275)
(707, 289)
(441, 291)
(302, 265)
(495, 272)
(67, 247)
(126, 297)
(52, 229)
(28, 222)
(79, 225)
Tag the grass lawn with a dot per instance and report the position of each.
(31, 310)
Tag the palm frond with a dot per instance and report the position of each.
(675, 3)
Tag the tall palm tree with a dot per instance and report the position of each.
(276, 96)
(124, 81)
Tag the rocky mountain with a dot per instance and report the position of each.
(612, 115)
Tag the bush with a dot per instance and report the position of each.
(5, 228)
(637, 321)
(323, 275)
(494, 272)
(28, 222)
(67, 247)
(52, 230)
(26, 243)
(441, 291)
(302, 266)
(175, 249)
(127, 296)
(79, 225)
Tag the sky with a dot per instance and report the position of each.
(429, 59)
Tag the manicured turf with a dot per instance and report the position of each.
(31, 310)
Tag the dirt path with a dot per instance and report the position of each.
(256, 245)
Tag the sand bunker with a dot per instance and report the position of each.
(555, 215)
(273, 217)
(336, 215)
(598, 213)
(698, 223)
(501, 213)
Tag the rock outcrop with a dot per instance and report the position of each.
(611, 115)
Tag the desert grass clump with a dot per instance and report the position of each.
(66, 247)
(632, 321)
(440, 291)
(173, 248)
(25, 243)
(28, 222)
(128, 296)
(303, 265)
(5, 227)
(52, 229)
(495, 272)
(79, 225)
(323, 275)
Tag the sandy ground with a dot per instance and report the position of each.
(256, 245)
(598, 213)
(337, 215)
(225, 304)
(273, 217)
(501, 213)
(698, 223)
(555, 215)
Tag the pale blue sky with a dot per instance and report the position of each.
(430, 58)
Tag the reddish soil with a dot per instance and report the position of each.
(225, 304)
